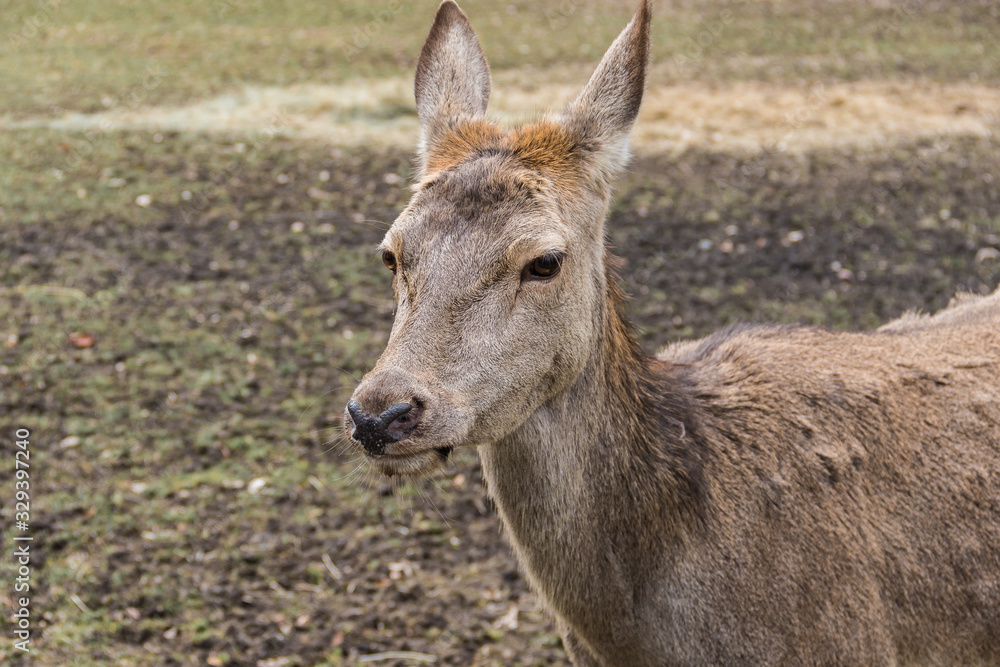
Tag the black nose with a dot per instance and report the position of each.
(396, 423)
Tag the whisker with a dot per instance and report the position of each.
(377, 224)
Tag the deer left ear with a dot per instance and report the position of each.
(601, 117)
(453, 78)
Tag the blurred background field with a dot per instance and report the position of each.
(190, 195)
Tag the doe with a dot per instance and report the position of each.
(767, 495)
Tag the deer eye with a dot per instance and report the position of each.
(544, 267)
(389, 260)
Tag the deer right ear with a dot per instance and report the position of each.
(453, 79)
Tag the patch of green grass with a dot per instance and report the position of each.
(110, 54)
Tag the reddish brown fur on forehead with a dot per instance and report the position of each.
(545, 147)
(548, 148)
(461, 143)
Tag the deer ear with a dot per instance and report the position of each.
(453, 78)
(602, 116)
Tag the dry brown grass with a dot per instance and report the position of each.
(737, 116)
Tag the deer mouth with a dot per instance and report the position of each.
(402, 464)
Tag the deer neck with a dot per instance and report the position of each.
(566, 482)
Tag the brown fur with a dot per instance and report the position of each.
(545, 148)
(767, 495)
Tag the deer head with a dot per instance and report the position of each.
(498, 259)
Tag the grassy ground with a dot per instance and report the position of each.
(91, 56)
(183, 316)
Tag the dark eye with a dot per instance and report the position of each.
(544, 267)
(389, 260)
